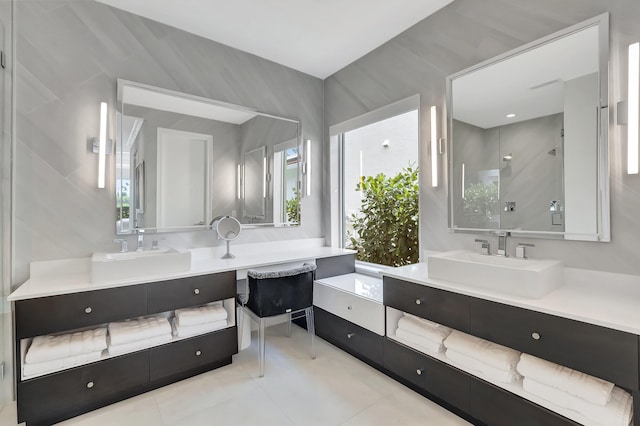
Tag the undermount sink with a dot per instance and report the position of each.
(530, 278)
(135, 264)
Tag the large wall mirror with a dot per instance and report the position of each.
(528, 139)
(182, 161)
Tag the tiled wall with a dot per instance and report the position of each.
(69, 55)
(470, 31)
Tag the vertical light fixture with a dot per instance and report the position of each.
(102, 147)
(239, 183)
(307, 152)
(463, 177)
(264, 177)
(434, 147)
(633, 101)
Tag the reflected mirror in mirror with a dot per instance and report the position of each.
(182, 161)
(526, 151)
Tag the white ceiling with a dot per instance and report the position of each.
(317, 37)
(530, 84)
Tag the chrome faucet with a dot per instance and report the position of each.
(502, 243)
(485, 248)
(140, 240)
(521, 250)
(123, 244)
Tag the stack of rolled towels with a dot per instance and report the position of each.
(421, 334)
(51, 353)
(601, 402)
(140, 333)
(484, 358)
(204, 319)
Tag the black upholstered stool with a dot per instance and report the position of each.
(275, 293)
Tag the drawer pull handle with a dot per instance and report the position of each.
(89, 385)
(88, 310)
(418, 301)
(198, 353)
(419, 371)
(349, 307)
(196, 291)
(535, 336)
(350, 335)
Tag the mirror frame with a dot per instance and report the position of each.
(603, 232)
(121, 83)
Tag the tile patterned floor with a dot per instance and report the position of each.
(333, 389)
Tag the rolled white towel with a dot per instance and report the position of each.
(201, 315)
(416, 342)
(137, 329)
(194, 330)
(582, 385)
(617, 412)
(481, 369)
(45, 367)
(139, 344)
(425, 328)
(490, 353)
(49, 348)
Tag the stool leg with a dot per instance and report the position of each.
(311, 329)
(289, 326)
(261, 343)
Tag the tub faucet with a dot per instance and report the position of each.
(502, 244)
(485, 248)
(123, 244)
(140, 240)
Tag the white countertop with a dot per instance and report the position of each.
(74, 275)
(361, 285)
(601, 298)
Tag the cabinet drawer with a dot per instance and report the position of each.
(363, 312)
(53, 314)
(76, 391)
(185, 356)
(352, 338)
(190, 291)
(494, 406)
(609, 354)
(435, 377)
(441, 306)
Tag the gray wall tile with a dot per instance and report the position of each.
(69, 55)
(462, 34)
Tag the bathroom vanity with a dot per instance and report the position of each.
(60, 298)
(577, 325)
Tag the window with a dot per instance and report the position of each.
(377, 166)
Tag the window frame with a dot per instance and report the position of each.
(336, 237)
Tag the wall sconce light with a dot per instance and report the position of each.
(264, 177)
(434, 147)
(306, 167)
(239, 181)
(633, 108)
(385, 143)
(101, 145)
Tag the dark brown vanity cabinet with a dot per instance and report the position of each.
(68, 393)
(599, 351)
(351, 338)
(609, 354)
(440, 306)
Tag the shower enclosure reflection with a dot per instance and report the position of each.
(527, 153)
